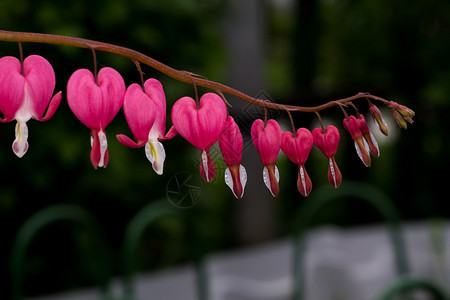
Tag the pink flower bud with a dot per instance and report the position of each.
(231, 144)
(378, 118)
(267, 141)
(327, 141)
(297, 149)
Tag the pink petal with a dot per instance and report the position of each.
(170, 134)
(139, 112)
(327, 141)
(267, 140)
(231, 143)
(54, 104)
(154, 90)
(12, 89)
(95, 105)
(123, 139)
(40, 79)
(200, 127)
(298, 148)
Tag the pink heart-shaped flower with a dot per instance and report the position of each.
(297, 149)
(201, 126)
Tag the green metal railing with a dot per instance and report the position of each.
(133, 236)
(150, 213)
(319, 199)
(49, 216)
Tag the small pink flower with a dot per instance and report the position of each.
(267, 141)
(26, 92)
(353, 126)
(146, 115)
(201, 126)
(231, 144)
(297, 149)
(95, 102)
(327, 141)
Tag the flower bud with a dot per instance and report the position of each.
(401, 114)
(378, 118)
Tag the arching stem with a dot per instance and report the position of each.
(182, 76)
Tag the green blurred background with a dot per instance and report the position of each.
(306, 53)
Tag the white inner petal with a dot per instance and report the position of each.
(302, 178)
(333, 171)
(25, 112)
(20, 144)
(103, 147)
(243, 175)
(154, 150)
(229, 180)
(266, 178)
(374, 141)
(358, 151)
(205, 164)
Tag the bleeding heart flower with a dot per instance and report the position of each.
(231, 144)
(297, 149)
(327, 141)
(267, 141)
(146, 115)
(95, 102)
(25, 92)
(201, 126)
(353, 126)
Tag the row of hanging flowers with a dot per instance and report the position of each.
(27, 87)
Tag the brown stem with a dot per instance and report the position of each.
(21, 59)
(141, 74)
(320, 121)
(182, 76)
